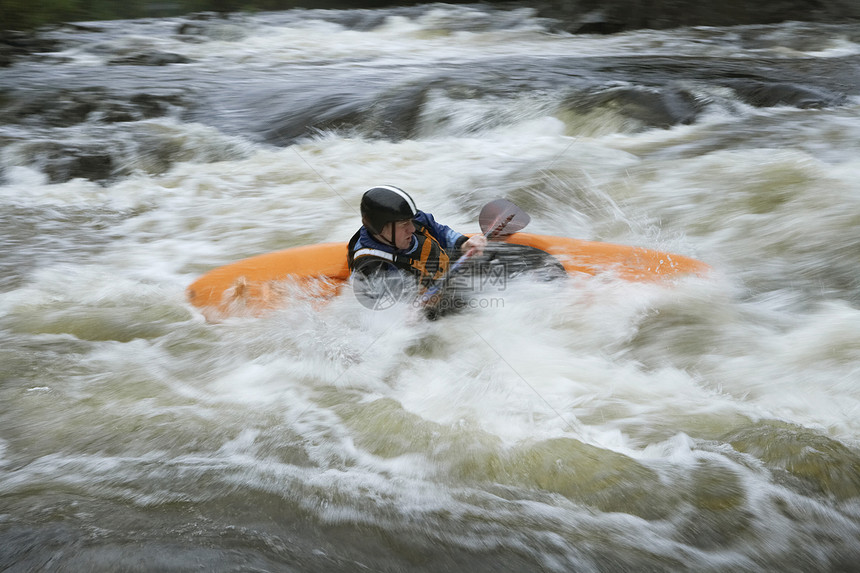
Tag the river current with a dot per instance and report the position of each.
(588, 425)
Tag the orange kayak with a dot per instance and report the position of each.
(263, 282)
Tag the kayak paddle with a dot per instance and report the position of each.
(498, 218)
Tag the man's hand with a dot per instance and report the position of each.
(477, 242)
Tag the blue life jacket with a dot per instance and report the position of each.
(427, 258)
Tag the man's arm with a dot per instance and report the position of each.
(451, 240)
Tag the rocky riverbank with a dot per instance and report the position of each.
(575, 16)
(611, 16)
(114, 113)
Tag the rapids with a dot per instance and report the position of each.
(711, 424)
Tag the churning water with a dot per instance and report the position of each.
(589, 425)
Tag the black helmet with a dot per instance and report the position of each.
(386, 204)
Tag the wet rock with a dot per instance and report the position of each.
(795, 82)
(90, 158)
(150, 59)
(105, 152)
(293, 116)
(78, 27)
(59, 109)
(600, 478)
(197, 23)
(15, 44)
(802, 459)
(660, 108)
(395, 115)
(62, 162)
(391, 114)
(190, 29)
(64, 108)
(760, 94)
(596, 22)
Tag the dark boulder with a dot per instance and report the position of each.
(16, 44)
(761, 94)
(67, 107)
(150, 59)
(62, 162)
(654, 107)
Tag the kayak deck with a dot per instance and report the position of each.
(262, 282)
(626, 262)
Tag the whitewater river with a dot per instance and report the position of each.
(587, 425)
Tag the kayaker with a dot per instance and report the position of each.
(396, 239)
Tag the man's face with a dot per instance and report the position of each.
(403, 231)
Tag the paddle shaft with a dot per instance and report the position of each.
(491, 233)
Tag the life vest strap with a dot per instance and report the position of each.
(368, 252)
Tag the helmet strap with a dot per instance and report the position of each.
(381, 238)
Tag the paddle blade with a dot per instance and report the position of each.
(500, 218)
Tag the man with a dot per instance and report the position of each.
(396, 239)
